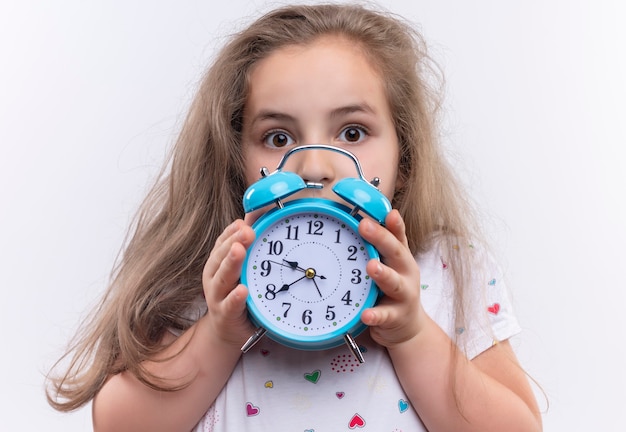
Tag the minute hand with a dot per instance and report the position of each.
(286, 287)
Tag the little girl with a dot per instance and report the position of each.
(163, 350)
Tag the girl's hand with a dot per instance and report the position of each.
(225, 296)
(399, 315)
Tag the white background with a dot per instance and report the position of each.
(92, 94)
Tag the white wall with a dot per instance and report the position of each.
(92, 93)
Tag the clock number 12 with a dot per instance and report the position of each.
(318, 225)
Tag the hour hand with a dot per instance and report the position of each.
(294, 265)
(291, 264)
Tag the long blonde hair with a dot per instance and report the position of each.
(200, 189)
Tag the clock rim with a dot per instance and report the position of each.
(319, 342)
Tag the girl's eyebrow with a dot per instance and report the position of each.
(350, 109)
(267, 114)
(272, 115)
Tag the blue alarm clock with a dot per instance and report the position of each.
(305, 271)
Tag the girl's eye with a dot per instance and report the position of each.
(277, 139)
(353, 134)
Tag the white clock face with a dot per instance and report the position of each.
(306, 274)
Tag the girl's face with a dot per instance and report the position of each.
(322, 93)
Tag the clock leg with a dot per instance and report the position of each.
(354, 348)
(252, 340)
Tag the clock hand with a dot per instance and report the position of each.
(286, 287)
(294, 265)
(311, 274)
(308, 273)
(318, 288)
(285, 265)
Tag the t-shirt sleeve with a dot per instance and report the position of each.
(487, 316)
(491, 310)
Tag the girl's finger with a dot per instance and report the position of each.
(239, 232)
(227, 274)
(388, 280)
(394, 251)
(228, 231)
(379, 316)
(235, 302)
(395, 224)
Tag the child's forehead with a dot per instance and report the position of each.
(325, 59)
(325, 42)
(326, 73)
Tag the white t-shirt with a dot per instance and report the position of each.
(275, 388)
